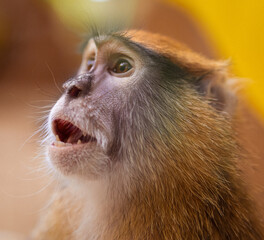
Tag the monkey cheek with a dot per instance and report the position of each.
(88, 163)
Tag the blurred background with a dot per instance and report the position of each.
(39, 50)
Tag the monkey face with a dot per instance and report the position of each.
(134, 98)
(81, 125)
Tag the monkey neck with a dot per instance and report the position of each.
(167, 205)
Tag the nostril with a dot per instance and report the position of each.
(74, 92)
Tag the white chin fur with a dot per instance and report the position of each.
(80, 160)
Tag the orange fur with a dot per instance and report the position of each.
(177, 180)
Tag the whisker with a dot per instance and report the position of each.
(53, 77)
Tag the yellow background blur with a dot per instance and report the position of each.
(237, 29)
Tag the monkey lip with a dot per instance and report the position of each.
(68, 134)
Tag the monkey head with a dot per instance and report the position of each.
(139, 102)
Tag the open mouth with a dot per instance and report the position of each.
(68, 134)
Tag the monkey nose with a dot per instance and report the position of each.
(79, 85)
(74, 92)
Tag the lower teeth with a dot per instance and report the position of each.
(61, 144)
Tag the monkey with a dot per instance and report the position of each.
(143, 144)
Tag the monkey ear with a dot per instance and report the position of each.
(219, 88)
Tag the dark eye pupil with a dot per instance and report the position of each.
(122, 66)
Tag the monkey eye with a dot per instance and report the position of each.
(90, 64)
(121, 66)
